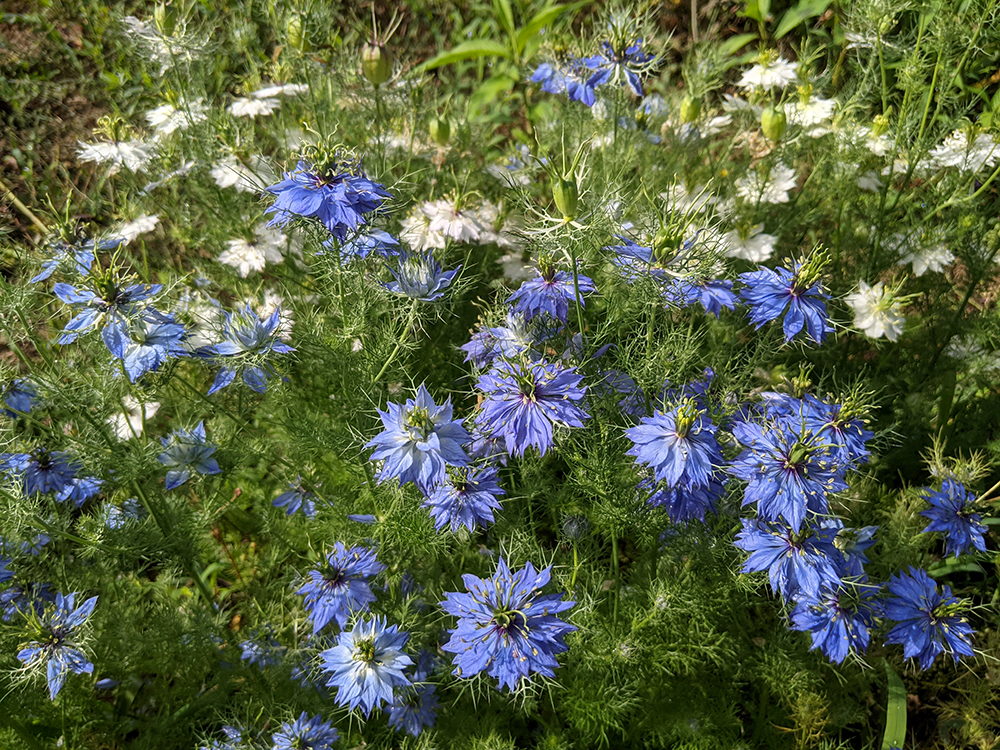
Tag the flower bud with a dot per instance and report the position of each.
(774, 123)
(376, 63)
(165, 19)
(440, 130)
(566, 195)
(690, 108)
(295, 31)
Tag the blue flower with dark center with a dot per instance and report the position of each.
(419, 276)
(524, 401)
(111, 305)
(42, 471)
(684, 502)
(797, 563)
(840, 619)
(247, 343)
(621, 62)
(76, 253)
(466, 498)
(852, 544)
(415, 707)
(56, 646)
(26, 601)
(296, 498)
(367, 664)
(550, 293)
(186, 451)
(19, 397)
(150, 342)
(340, 587)
(713, 294)
(953, 513)
(929, 622)
(569, 79)
(362, 245)
(507, 626)
(79, 490)
(340, 197)
(420, 438)
(306, 734)
(795, 294)
(678, 445)
(845, 434)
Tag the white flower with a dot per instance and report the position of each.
(246, 178)
(166, 51)
(928, 253)
(974, 356)
(133, 155)
(515, 269)
(876, 311)
(286, 89)
(444, 218)
(769, 73)
(129, 424)
(248, 257)
(770, 189)
(969, 156)
(487, 215)
(714, 125)
(186, 166)
(749, 243)
(683, 201)
(249, 107)
(140, 225)
(166, 119)
(812, 115)
(732, 103)
(869, 181)
(416, 232)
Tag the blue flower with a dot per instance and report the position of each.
(929, 621)
(340, 197)
(797, 563)
(19, 397)
(852, 544)
(361, 246)
(619, 60)
(509, 341)
(187, 450)
(261, 655)
(340, 587)
(56, 647)
(79, 490)
(151, 340)
(5, 573)
(415, 707)
(952, 512)
(713, 294)
(111, 305)
(419, 276)
(306, 734)
(117, 517)
(523, 402)
(684, 502)
(233, 741)
(298, 497)
(506, 626)
(247, 343)
(366, 664)
(42, 471)
(550, 292)
(77, 252)
(466, 498)
(795, 294)
(846, 435)
(571, 80)
(420, 438)
(840, 619)
(678, 445)
(789, 472)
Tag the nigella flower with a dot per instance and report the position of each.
(261, 651)
(550, 292)
(928, 620)
(233, 741)
(508, 341)
(852, 543)
(79, 490)
(77, 253)
(952, 512)
(340, 587)
(570, 79)
(713, 294)
(837, 427)
(55, 645)
(415, 707)
(790, 471)
(187, 450)
(795, 294)
(111, 305)
(678, 445)
(340, 197)
(797, 563)
(523, 402)
(297, 497)
(684, 502)
(366, 664)
(362, 245)
(306, 734)
(41, 471)
(420, 438)
(151, 341)
(466, 498)
(419, 276)
(19, 396)
(247, 342)
(618, 60)
(507, 626)
(115, 517)
(840, 619)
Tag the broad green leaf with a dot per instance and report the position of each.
(467, 51)
(730, 46)
(489, 91)
(895, 711)
(541, 19)
(952, 565)
(800, 13)
(753, 11)
(506, 15)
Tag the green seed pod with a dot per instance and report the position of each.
(774, 123)
(297, 38)
(690, 109)
(440, 130)
(376, 63)
(165, 19)
(566, 195)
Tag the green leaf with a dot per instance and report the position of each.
(753, 11)
(952, 565)
(489, 91)
(731, 45)
(542, 19)
(467, 51)
(506, 15)
(801, 13)
(895, 711)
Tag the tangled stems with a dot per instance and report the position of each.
(399, 344)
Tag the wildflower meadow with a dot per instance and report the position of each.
(499, 374)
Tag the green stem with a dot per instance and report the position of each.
(399, 344)
(614, 569)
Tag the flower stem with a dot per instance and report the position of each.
(399, 344)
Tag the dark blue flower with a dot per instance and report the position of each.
(111, 305)
(840, 619)
(79, 490)
(415, 707)
(42, 471)
(845, 434)
(296, 498)
(19, 397)
(797, 563)
(550, 293)
(618, 60)
(77, 253)
(570, 79)
(509, 341)
(117, 517)
(187, 450)
(306, 734)
(261, 651)
(466, 498)
(233, 741)
(684, 502)
(56, 646)
(5, 573)
(713, 294)
(929, 622)
(247, 343)
(367, 664)
(795, 294)
(419, 276)
(852, 544)
(362, 245)
(340, 197)
(678, 445)
(953, 513)
(507, 626)
(524, 401)
(340, 587)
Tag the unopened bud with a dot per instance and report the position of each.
(376, 63)
(690, 109)
(774, 123)
(440, 130)
(566, 195)
(295, 31)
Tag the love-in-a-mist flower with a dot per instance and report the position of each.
(749, 242)
(466, 498)
(510, 341)
(55, 644)
(306, 733)
(679, 445)
(839, 426)
(151, 341)
(420, 276)
(525, 400)
(134, 155)
(296, 498)
(367, 664)
(18, 397)
(772, 186)
(41, 471)
(953, 513)
(929, 621)
(419, 440)
(797, 295)
(251, 257)
(798, 563)
(876, 311)
(840, 619)
(684, 502)
(621, 58)
(571, 77)
(186, 451)
(506, 626)
(247, 344)
(340, 586)
(770, 71)
(74, 254)
(415, 707)
(712, 294)
(339, 195)
(550, 293)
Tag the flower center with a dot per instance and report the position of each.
(364, 650)
(419, 419)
